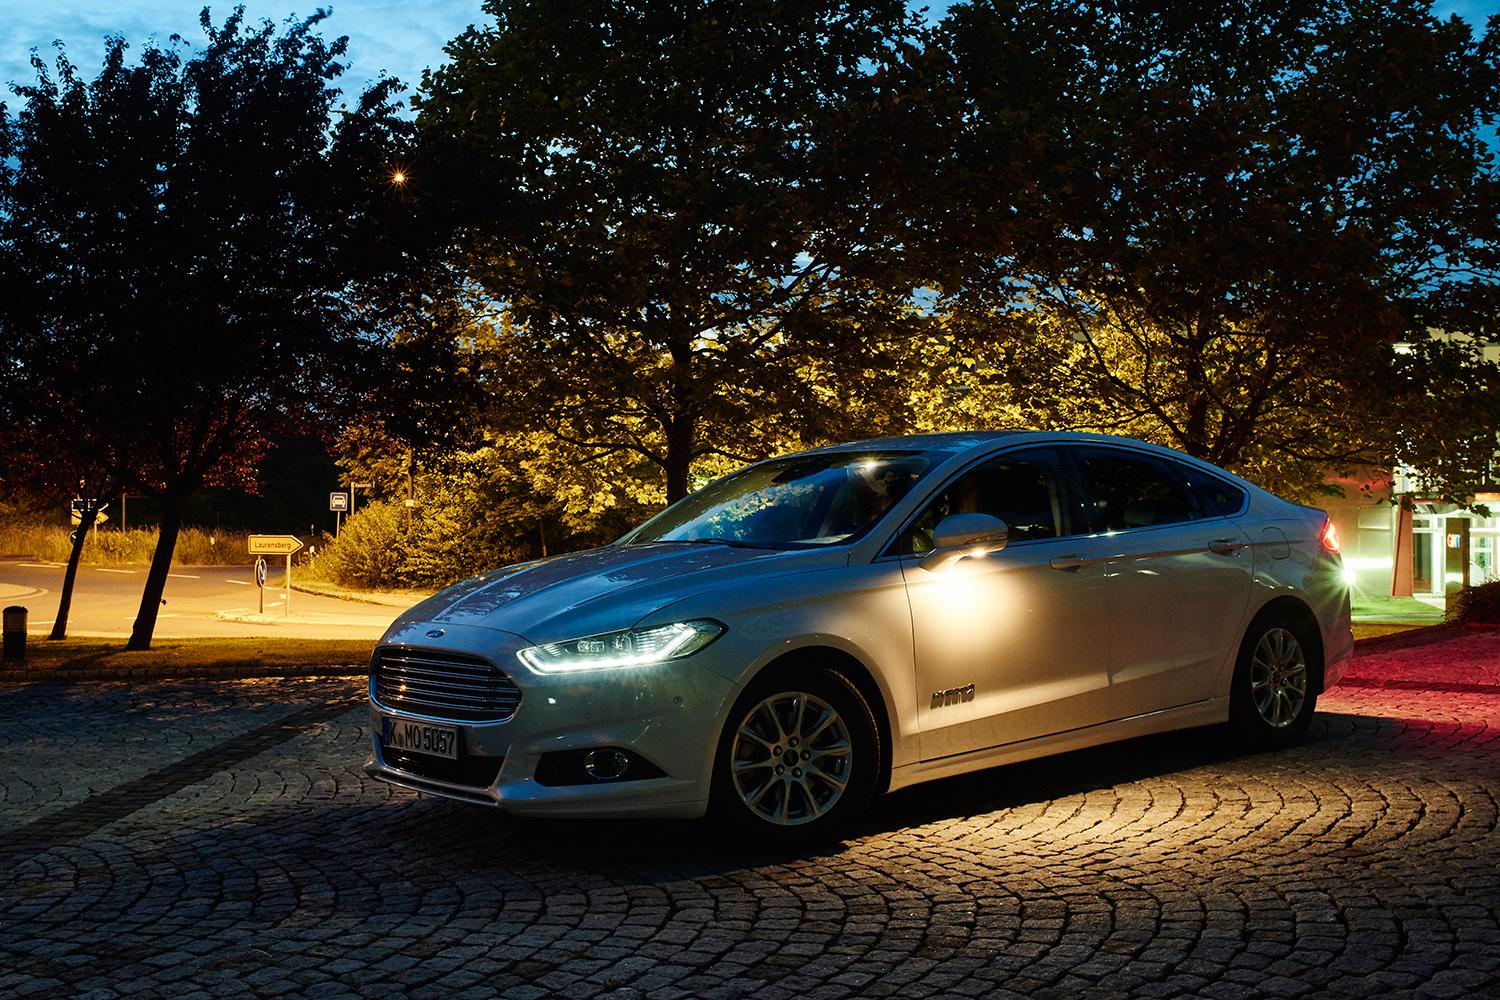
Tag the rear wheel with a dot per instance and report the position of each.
(1273, 698)
(798, 759)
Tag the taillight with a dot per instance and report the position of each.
(1330, 537)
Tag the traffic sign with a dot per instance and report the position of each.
(338, 501)
(274, 545)
(260, 572)
(79, 505)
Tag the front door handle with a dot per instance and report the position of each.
(1069, 562)
(1225, 546)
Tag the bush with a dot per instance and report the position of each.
(369, 552)
(1475, 605)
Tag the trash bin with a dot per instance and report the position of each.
(15, 633)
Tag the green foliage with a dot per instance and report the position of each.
(1475, 605)
(369, 551)
(672, 218)
(180, 241)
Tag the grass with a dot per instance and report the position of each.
(108, 547)
(184, 655)
(1371, 630)
(1394, 610)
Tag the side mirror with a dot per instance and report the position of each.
(961, 535)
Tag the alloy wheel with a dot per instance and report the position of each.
(1278, 678)
(790, 758)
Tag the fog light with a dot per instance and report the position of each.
(605, 765)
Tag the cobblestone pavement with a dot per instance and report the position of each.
(219, 838)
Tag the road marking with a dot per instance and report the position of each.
(184, 576)
(240, 583)
(44, 623)
(103, 569)
(163, 615)
(40, 565)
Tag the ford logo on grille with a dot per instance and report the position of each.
(436, 633)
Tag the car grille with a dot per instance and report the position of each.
(444, 685)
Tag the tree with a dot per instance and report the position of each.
(193, 233)
(664, 214)
(1234, 213)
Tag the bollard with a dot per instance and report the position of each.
(15, 633)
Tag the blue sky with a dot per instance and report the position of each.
(400, 37)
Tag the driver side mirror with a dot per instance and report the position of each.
(960, 535)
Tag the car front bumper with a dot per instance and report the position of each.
(670, 715)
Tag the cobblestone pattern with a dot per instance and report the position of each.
(1362, 863)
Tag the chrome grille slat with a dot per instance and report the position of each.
(456, 690)
(449, 698)
(461, 688)
(405, 671)
(416, 663)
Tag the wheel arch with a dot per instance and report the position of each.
(1293, 610)
(856, 673)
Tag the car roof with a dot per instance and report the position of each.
(956, 442)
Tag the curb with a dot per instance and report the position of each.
(68, 675)
(356, 596)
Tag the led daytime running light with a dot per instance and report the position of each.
(627, 648)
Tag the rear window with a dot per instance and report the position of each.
(1219, 496)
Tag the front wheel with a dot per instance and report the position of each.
(797, 761)
(1272, 701)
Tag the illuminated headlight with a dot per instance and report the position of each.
(627, 648)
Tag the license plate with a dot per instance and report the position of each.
(419, 737)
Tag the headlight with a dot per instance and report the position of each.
(627, 648)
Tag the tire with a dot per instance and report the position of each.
(1274, 692)
(798, 760)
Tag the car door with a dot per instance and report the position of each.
(1012, 645)
(1178, 577)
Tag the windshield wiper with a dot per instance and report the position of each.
(731, 542)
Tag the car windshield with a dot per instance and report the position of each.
(803, 500)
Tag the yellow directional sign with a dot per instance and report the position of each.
(274, 545)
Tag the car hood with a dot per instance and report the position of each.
(600, 590)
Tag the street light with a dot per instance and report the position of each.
(398, 177)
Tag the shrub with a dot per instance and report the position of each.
(1475, 605)
(369, 552)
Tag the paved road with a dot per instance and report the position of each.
(215, 839)
(105, 601)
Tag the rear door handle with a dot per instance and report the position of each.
(1069, 562)
(1225, 546)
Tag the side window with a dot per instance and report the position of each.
(1024, 489)
(1219, 496)
(1133, 491)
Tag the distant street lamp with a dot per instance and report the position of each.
(398, 177)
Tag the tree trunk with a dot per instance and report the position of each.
(156, 578)
(679, 455)
(679, 427)
(85, 524)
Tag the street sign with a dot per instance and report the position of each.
(338, 501)
(80, 505)
(274, 545)
(260, 572)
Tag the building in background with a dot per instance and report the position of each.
(1402, 542)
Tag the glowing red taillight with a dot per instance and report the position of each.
(1329, 537)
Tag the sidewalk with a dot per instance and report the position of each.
(385, 598)
(1442, 657)
(250, 617)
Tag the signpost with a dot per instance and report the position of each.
(260, 581)
(276, 545)
(339, 504)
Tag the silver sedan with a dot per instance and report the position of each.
(812, 630)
